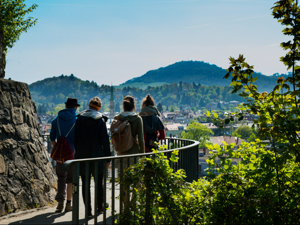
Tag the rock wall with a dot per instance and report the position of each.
(27, 177)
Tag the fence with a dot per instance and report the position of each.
(188, 160)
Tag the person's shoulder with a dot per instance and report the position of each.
(54, 120)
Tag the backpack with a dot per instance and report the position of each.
(62, 151)
(151, 123)
(121, 135)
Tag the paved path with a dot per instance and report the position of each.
(48, 216)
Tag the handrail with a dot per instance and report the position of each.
(188, 160)
(66, 165)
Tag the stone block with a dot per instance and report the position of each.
(9, 144)
(2, 164)
(17, 99)
(2, 208)
(34, 134)
(5, 100)
(9, 129)
(26, 152)
(11, 203)
(5, 114)
(11, 169)
(24, 200)
(15, 186)
(27, 105)
(19, 87)
(23, 132)
(17, 116)
(12, 86)
(32, 147)
(38, 173)
(5, 85)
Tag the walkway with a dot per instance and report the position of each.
(48, 216)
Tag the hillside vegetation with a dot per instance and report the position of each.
(189, 83)
(54, 91)
(195, 71)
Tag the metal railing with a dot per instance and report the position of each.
(188, 160)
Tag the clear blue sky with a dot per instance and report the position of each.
(116, 40)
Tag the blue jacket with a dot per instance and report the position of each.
(66, 119)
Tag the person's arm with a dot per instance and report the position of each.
(140, 134)
(53, 132)
(103, 136)
(161, 134)
(76, 129)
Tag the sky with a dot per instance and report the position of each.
(112, 41)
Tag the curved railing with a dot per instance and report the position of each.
(188, 160)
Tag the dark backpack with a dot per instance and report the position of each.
(121, 135)
(151, 123)
(62, 151)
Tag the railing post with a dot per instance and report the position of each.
(86, 191)
(121, 186)
(148, 214)
(104, 191)
(96, 189)
(75, 192)
(113, 190)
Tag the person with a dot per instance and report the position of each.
(66, 119)
(152, 123)
(92, 141)
(136, 124)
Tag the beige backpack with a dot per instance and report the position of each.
(121, 135)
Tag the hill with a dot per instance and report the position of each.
(51, 93)
(194, 71)
(57, 89)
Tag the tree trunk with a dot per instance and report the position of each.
(2, 55)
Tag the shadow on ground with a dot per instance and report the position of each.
(49, 218)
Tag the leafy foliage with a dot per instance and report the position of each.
(12, 24)
(244, 132)
(197, 131)
(258, 182)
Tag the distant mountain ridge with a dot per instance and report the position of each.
(198, 72)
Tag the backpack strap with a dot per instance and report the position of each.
(59, 128)
(70, 129)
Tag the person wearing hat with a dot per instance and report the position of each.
(61, 126)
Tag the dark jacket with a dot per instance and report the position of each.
(153, 127)
(91, 138)
(66, 119)
(136, 130)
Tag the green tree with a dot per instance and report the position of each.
(243, 131)
(252, 137)
(159, 107)
(197, 131)
(12, 24)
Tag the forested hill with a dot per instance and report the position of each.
(198, 72)
(57, 89)
(51, 93)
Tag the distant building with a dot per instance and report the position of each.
(227, 139)
(174, 129)
(234, 103)
(211, 106)
(112, 103)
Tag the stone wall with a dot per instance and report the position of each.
(27, 178)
